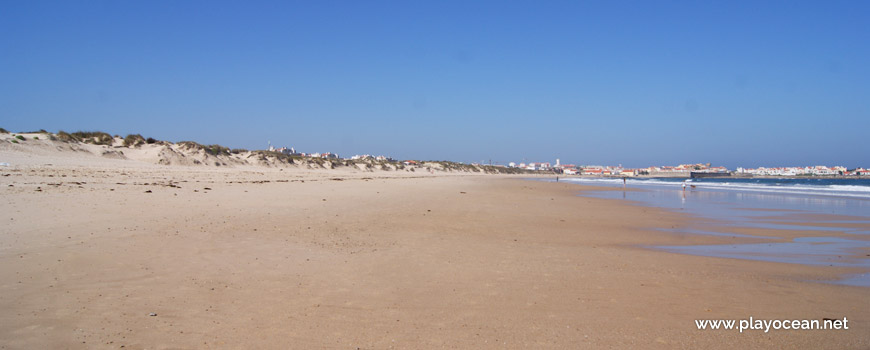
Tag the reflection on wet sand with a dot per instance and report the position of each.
(800, 217)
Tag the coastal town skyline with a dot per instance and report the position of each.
(610, 169)
(618, 170)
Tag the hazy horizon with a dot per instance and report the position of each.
(737, 84)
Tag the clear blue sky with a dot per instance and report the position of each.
(601, 82)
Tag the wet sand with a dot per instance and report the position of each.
(273, 259)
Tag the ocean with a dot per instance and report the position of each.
(839, 187)
(839, 208)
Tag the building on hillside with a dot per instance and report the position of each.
(538, 166)
(593, 171)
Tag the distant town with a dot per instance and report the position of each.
(685, 170)
(682, 170)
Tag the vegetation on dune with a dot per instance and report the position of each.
(217, 150)
(330, 163)
(489, 169)
(95, 137)
(278, 155)
(505, 170)
(448, 165)
(190, 144)
(316, 160)
(133, 140)
(92, 137)
(65, 136)
(214, 150)
(136, 140)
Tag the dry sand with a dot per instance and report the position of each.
(265, 258)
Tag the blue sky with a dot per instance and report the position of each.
(634, 83)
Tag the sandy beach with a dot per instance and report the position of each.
(363, 175)
(175, 257)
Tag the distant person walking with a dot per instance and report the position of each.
(623, 182)
(684, 186)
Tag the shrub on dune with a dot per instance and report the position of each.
(214, 150)
(94, 137)
(65, 136)
(133, 140)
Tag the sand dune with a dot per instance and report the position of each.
(48, 148)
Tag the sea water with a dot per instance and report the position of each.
(804, 205)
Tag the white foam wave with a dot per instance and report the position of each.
(802, 189)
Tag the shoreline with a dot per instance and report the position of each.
(237, 259)
(804, 236)
(735, 176)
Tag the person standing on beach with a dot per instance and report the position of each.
(684, 192)
(623, 182)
